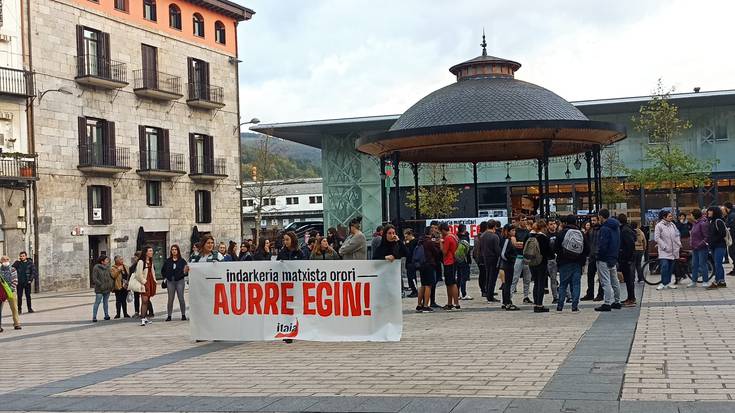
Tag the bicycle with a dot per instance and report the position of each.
(682, 269)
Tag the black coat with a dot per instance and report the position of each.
(627, 244)
(286, 254)
(261, 255)
(396, 248)
(173, 274)
(561, 258)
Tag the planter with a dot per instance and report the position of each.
(26, 171)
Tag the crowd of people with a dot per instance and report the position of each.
(548, 256)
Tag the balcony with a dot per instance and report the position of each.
(205, 96)
(161, 165)
(103, 160)
(207, 169)
(100, 72)
(156, 85)
(17, 169)
(16, 82)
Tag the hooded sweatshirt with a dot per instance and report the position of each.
(667, 240)
(608, 242)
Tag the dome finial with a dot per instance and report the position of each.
(484, 43)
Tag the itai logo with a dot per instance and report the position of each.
(287, 330)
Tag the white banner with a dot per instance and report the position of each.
(304, 300)
(473, 224)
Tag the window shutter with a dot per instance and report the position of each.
(110, 149)
(107, 205)
(192, 81)
(164, 155)
(205, 86)
(84, 149)
(104, 55)
(208, 154)
(143, 148)
(90, 189)
(192, 154)
(80, 50)
(150, 66)
(207, 206)
(196, 206)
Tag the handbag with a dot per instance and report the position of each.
(164, 284)
(9, 295)
(130, 297)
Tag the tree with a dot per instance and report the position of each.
(612, 168)
(261, 172)
(668, 165)
(437, 200)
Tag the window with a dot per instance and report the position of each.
(96, 142)
(198, 79)
(121, 5)
(201, 153)
(99, 205)
(249, 202)
(203, 207)
(219, 33)
(174, 17)
(269, 201)
(315, 199)
(292, 200)
(154, 149)
(285, 222)
(153, 193)
(149, 10)
(198, 25)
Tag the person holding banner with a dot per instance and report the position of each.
(8, 288)
(207, 253)
(290, 250)
(355, 245)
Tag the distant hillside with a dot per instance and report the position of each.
(289, 159)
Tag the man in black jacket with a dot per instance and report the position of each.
(490, 254)
(591, 238)
(26, 275)
(570, 259)
(625, 258)
(730, 221)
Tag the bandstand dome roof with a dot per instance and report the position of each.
(488, 115)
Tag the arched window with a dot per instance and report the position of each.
(174, 16)
(198, 25)
(149, 10)
(219, 33)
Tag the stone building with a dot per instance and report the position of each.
(17, 164)
(138, 143)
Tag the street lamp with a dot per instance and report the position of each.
(253, 121)
(63, 90)
(577, 163)
(507, 172)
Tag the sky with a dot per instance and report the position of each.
(326, 59)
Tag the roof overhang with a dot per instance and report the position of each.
(491, 141)
(227, 8)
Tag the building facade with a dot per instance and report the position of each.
(283, 203)
(137, 135)
(17, 162)
(353, 184)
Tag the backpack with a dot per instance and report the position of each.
(573, 243)
(532, 252)
(728, 236)
(419, 256)
(463, 248)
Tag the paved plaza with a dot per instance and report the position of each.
(674, 353)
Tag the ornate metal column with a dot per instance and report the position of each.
(588, 161)
(397, 181)
(417, 204)
(598, 177)
(547, 189)
(540, 164)
(383, 200)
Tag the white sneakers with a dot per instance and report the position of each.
(692, 284)
(144, 321)
(671, 286)
(466, 297)
(705, 285)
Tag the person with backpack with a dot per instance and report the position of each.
(700, 252)
(425, 257)
(490, 255)
(571, 253)
(477, 255)
(625, 259)
(463, 260)
(521, 266)
(507, 264)
(537, 252)
(608, 249)
(717, 240)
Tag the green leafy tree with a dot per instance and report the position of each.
(668, 165)
(437, 200)
(612, 168)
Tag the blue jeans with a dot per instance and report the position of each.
(699, 265)
(719, 256)
(569, 274)
(104, 298)
(667, 266)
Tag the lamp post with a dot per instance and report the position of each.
(508, 200)
(253, 121)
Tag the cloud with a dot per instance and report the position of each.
(334, 58)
